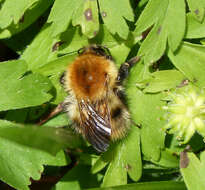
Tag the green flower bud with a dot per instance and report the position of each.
(186, 113)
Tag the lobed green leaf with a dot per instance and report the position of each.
(87, 17)
(18, 91)
(189, 59)
(40, 50)
(124, 158)
(77, 178)
(197, 8)
(160, 80)
(60, 22)
(28, 17)
(168, 159)
(114, 14)
(193, 171)
(24, 150)
(195, 29)
(12, 12)
(145, 111)
(163, 24)
(48, 139)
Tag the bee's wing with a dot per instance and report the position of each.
(95, 120)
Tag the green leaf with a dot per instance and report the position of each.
(60, 120)
(165, 185)
(73, 40)
(61, 159)
(20, 163)
(21, 40)
(145, 111)
(193, 171)
(100, 163)
(116, 173)
(120, 53)
(132, 154)
(78, 12)
(125, 158)
(62, 185)
(78, 176)
(48, 139)
(197, 8)
(87, 17)
(27, 18)
(170, 15)
(12, 12)
(195, 29)
(114, 14)
(60, 21)
(17, 91)
(40, 50)
(160, 80)
(189, 59)
(168, 159)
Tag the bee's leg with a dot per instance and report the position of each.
(62, 79)
(56, 111)
(125, 68)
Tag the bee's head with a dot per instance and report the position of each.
(97, 50)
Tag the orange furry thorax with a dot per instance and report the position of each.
(88, 76)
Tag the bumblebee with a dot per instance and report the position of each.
(95, 101)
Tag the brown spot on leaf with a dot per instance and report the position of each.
(95, 33)
(183, 83)
(196, 11)
(146, 32)
(128, 167)
(57, 45)
(88, 14)
(104, 14)
(184, 160)
(195, 80)
(159, 30)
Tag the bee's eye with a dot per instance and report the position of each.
(102, 50)
(97, 49)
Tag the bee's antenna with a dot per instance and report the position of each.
(79, 52)
(63, 54)
(107, 51)
(101, 50)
